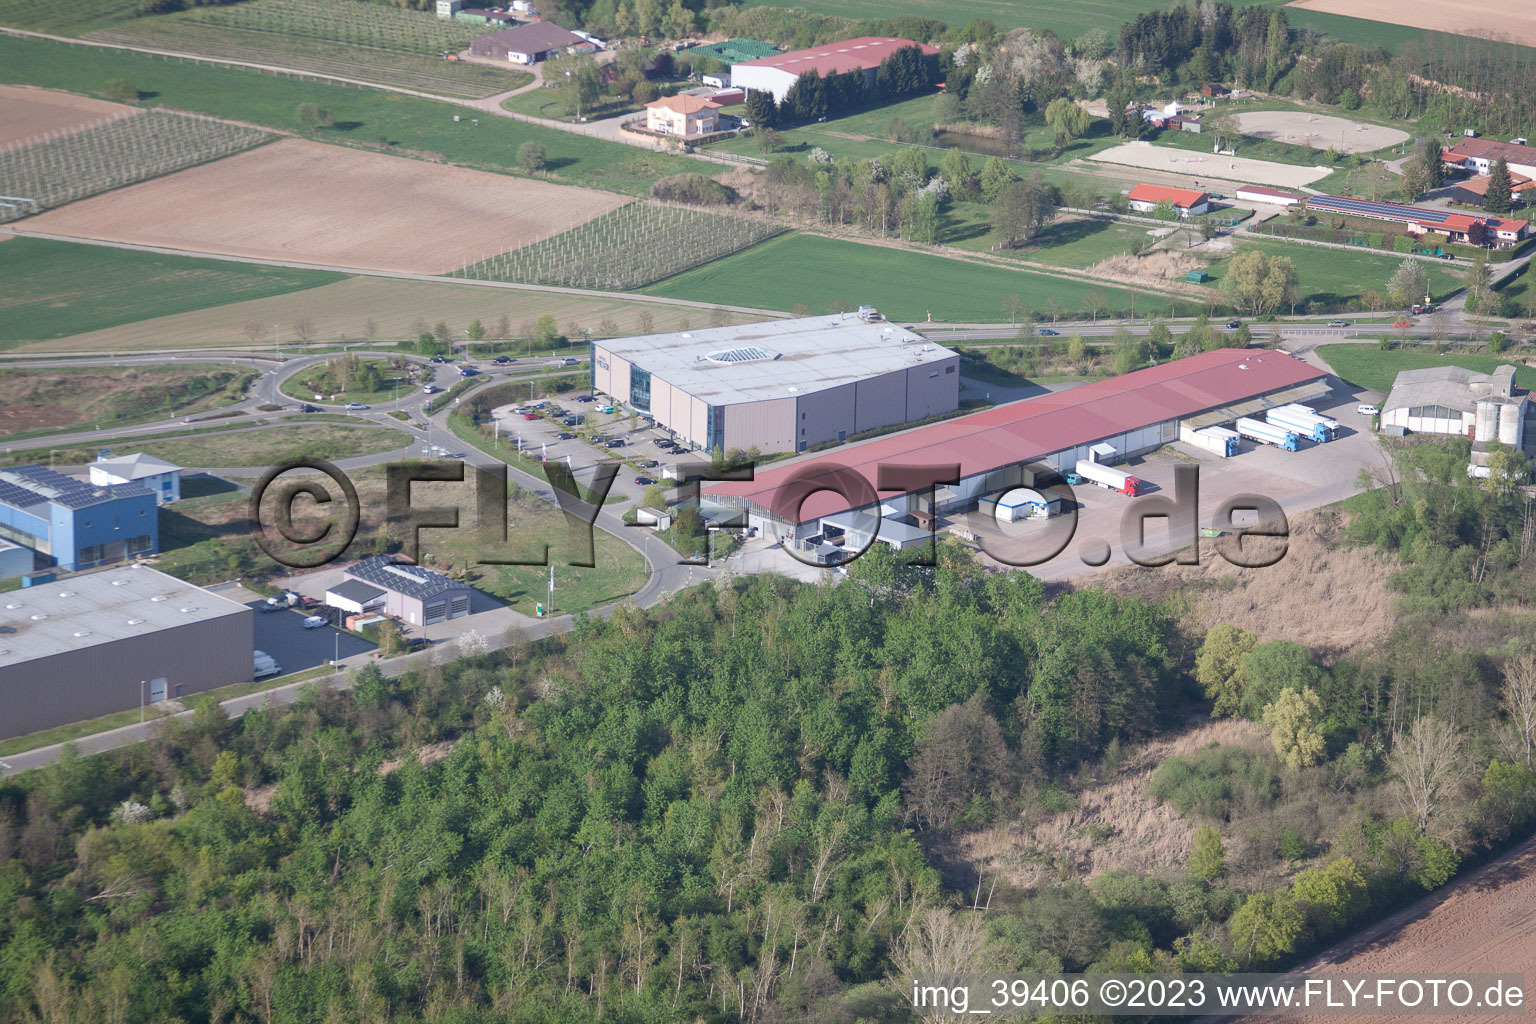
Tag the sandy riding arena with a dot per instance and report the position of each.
(310, 203)
(1300, 128)
(1209, 168)
(1513, 21)
(26, 113)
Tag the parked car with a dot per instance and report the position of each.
(315, 622)
(1233, 325)
(617, 442)
(585, 398)
(356, 406)
(1046, 332)
(429, 389)
(519, 409)
(644, 481)
(661, 442)
(606, 408)
(565, 435)
(530, 415)
(1338, 323)
(649, 464)
(1366, 409)
(1447, 256)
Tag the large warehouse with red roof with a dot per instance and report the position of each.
(811, 502)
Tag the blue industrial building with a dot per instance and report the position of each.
(73, 524)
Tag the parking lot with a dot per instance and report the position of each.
(282, 635)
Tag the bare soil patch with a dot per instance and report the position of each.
(311, 203)
(1315, 579)
(427, 753)
(1115, 827)
(1515, 22)
(1160, 267)
(26, 113)
(1482, 923)
(1300, 128)
(1208, 168)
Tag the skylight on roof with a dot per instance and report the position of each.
(745, 354)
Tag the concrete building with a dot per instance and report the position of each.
(526, 44)
(1419, 221)
(1265, 194)
(1185, 201)
(1005, 448)
(683, 116)
(89, 645)
(74, 524)
(448, 8)
(1481, 407)
(15, 560)
(161, 477)
(777, 73)
(356, 597)
(412, 594)
(779, 386)
(1478, 155)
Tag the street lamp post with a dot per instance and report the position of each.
(141, 701)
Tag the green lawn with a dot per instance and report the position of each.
(303, 385)
(235, 448)
(55, 289)
(905, 285)
(1076, 243)
(1331, 277)
(1369, 367)
(362, 116)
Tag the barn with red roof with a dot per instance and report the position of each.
(813, 502)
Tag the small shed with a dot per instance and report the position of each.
(1197, 277)
(654, 517)
(1021, 503)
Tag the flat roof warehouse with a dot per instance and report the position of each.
(755, 362)
(1030, 430)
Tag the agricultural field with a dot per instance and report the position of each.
(118, 152)
(26, 113)
(1514, 22)
(36, 400)
(824, 273)
(1369, 366)
(350, 38)
(372, 308)
(362, 117)
(57, 289)
(627, 248)
(356, 209)
(66, 19)
(1330, 278)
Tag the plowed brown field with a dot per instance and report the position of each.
(26, 113)
(1511, 20)
(311, 203)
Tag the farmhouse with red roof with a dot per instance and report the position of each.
(1187, 201)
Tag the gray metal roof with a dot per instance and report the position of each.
(355, 590)
(797, 357)
(134, 467)
(29, 486)
(99, 608)
(536, 37)
(403, 578)
(1452, 387)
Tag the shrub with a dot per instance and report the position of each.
(531, 157)
(121, 89)
(693, 189)
(1214, 782)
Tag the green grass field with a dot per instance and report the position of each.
(68, 19)
(1369, 367)
(364, 116)
(1332, 277)
(905, 285)
(1075, 243)
(54, 289)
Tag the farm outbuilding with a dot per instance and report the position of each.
(777, 73)
(779, 386)
(1267, 195)
(526, 44)
(1186, 202)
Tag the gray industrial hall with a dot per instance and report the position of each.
(95, 643)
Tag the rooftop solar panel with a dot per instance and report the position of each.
(1392, 210)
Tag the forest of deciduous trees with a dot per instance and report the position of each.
(725, 808)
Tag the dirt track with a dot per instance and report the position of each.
(299, 200)
(27, 112)
(1299, 128)
(1513, 21)
(1481, 924)
(1210, 168)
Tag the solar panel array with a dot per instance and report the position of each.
(1389, 210)
(25, 486)
(410, 580)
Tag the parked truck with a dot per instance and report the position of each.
(1304, 421)
(264, 666)
(1264, 433)
(1219, 440)
(1108, 477)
